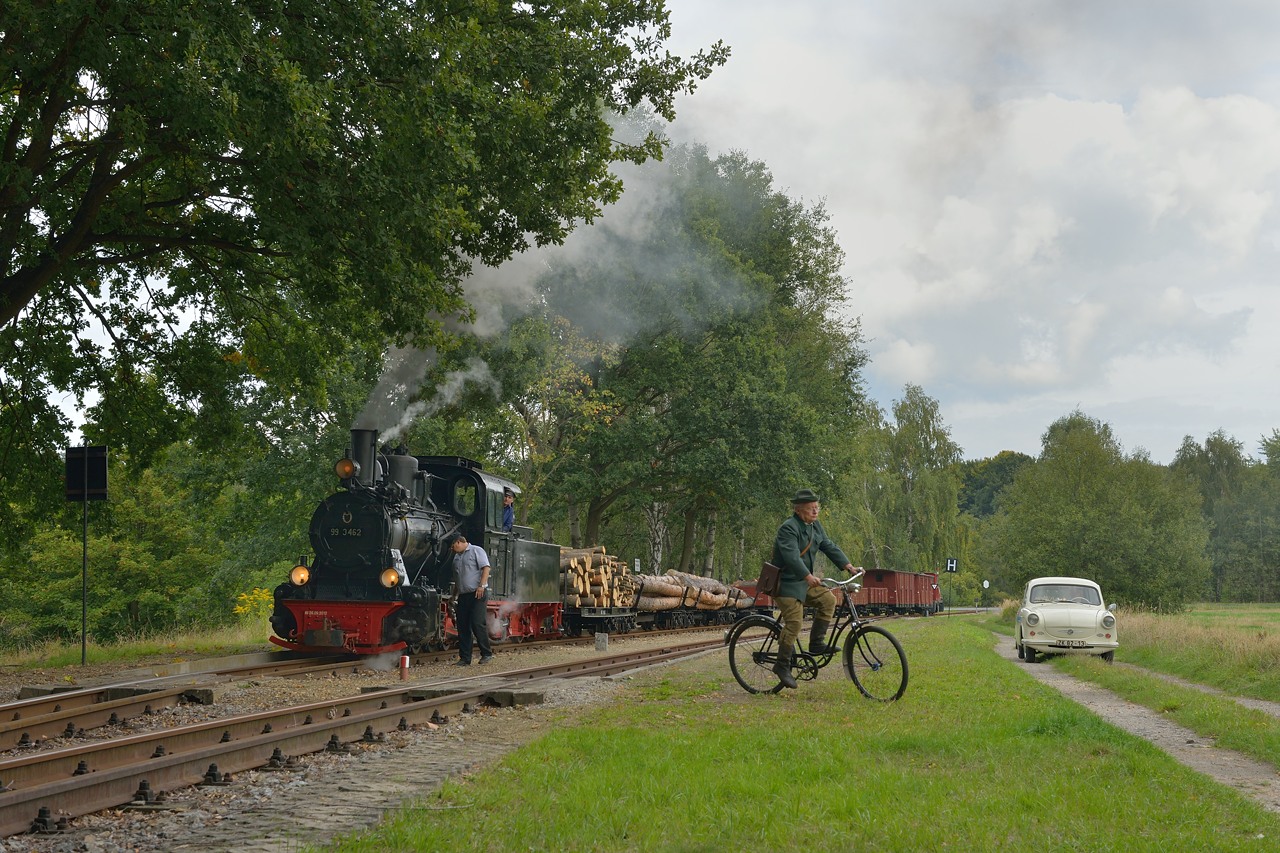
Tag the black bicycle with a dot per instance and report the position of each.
(872, 657)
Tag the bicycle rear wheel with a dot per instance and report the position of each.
(753, 650)
(874, 659)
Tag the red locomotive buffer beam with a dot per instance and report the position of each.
(511, 621)
(324, 626)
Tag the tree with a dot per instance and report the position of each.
(729, 367)
(199, 199)
(982, 481)
(154, 565)
(906, 489)
(1217, 467)
(1218, 470)
(1085, 509)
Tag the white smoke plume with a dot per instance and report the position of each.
(389, 410)
(607, 261)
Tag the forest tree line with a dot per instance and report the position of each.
(223, 260)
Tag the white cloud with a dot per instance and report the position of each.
(1043, 205)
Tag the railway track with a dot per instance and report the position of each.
(68, 713)
(40, 791)
(33, 720)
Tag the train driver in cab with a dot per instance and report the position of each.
(508, 510)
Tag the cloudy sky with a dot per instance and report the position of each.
(1045, 205)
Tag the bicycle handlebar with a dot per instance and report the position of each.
(832, 583)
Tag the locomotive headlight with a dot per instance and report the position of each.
(346, 469)
(299, 575)
(390, 577)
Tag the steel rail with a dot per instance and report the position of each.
(38, 790)
(32, 721)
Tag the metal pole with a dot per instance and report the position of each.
(84, 568)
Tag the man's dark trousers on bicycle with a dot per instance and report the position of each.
(791, 614)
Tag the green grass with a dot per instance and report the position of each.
(238, 638)
(1235, 727)
(977, 756)
(1235, 648)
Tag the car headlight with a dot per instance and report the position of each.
(389, 577)
(299, 575)
(1108, 621)
(1033, 618)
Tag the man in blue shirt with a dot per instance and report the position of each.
(508, 510)
(471, 574)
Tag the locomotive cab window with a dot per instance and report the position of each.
(464, 498)
(495, 508)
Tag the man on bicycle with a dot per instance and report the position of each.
(799, 538)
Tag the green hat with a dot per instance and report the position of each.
(804, 496)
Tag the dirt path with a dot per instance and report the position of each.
(1254, 779)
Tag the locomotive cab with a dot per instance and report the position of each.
(521, 570)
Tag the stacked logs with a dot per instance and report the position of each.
(679, 589)
(589, 577)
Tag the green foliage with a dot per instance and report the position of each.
(982, 481)
(1242, 500)
(143, 552)
(172, 547)
(902, 488)
(1084, 509)
(200, 200)
(675, 373)
(1245, 546)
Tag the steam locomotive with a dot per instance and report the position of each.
(381, 576)
(381, 573)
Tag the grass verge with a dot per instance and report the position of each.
(238, 638)
(1235, 648)
(1235, 727)
(976, 756)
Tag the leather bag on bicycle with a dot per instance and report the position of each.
(770, 579)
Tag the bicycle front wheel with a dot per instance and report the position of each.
(875, 661)
(753, 651)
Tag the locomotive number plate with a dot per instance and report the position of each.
(346, 531)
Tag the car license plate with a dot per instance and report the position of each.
(1071, 644)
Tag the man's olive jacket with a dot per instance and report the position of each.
(793, 537)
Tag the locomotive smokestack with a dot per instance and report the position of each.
(364, 452)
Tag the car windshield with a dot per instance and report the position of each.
(1057, 592)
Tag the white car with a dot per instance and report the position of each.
(1065, 616)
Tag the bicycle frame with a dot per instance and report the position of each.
(846, 619)
(872, 657)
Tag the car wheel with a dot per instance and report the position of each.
(1018, 646)
(1109, 656)
(1029, 654)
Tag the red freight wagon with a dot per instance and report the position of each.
(923, 592)
(890, 591)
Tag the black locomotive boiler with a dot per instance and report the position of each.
(381, 576)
